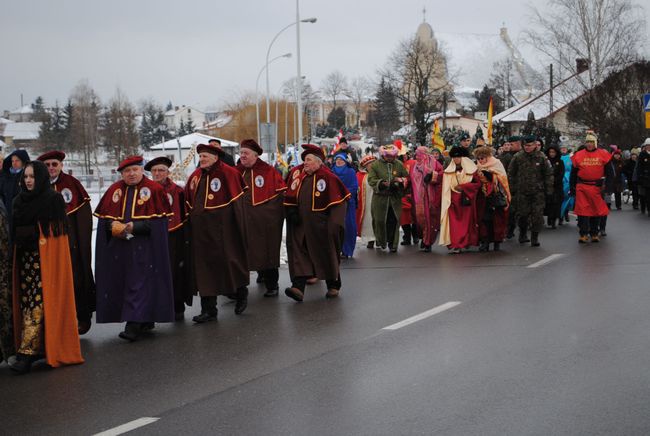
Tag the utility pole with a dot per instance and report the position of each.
(550, 109)
(444, 110)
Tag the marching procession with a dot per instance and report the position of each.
(159, 244)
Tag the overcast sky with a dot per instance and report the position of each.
(206, 52)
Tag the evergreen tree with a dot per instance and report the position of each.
(483, 100)
(150, 129)
(530, 126)
(169, 106)
(67, 121)
(40, 114)
(336, 118)
(182, 131)
(189, 126)
(385, 114)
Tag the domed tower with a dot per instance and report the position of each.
(438, 81)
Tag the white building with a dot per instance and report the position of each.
(174, 117)
(180, 148)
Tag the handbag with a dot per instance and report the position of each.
(498, 198)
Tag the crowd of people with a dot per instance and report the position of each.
(159, 244)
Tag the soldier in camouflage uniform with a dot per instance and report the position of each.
(531, 179)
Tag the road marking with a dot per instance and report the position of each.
(124, 428)
(546, 260)
(423, 315)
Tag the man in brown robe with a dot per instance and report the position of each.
(80, 219)
(264, 214)
(214, 195)
(315, 206)
(178, 233)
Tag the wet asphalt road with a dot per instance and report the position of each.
(563, 348)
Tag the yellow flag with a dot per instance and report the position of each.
(436, 139)
(489, 127)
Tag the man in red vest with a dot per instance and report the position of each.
(588, 176)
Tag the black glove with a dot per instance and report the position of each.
(428, 177)
(292, 215)
(141, 228)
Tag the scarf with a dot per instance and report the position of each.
(42, 207)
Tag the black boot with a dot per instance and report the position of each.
(406, 238)
(534, 239)
(523, 234)
(497, 246)
(131, 331)
(260, 277)
(242, 300)
(208, 310)
(371, 244)
(484, 246)
(23, 363)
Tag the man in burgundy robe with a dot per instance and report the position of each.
(80, 221)
(214, 195)
(134, 280)
(315, 204)
(178, 233)
(264, 214)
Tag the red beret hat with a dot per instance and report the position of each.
(129, 161)
(210, 148)
(56, 154)
(160, 160)
(312, 149)
(251, 144)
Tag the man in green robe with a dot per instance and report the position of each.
(388, 179)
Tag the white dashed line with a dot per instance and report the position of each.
(129, 426)
(422, 316)
(546, 260)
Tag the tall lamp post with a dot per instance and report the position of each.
(257, 99)
(268, 52)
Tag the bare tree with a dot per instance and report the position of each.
(417, 74)
(120, 135)
(358, 92)
(608, 33)
(334, 85)
(84, 134)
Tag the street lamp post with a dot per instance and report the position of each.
(268, 52)
(257, 99)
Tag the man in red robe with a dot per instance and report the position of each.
(178, 239)
(134, 279)
(264, 214)
(588, 176)
(315, 206)
(214, 195)
(80, 220)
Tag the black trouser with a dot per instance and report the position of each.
(392, 225)
(589, 225)
(300, 282)
(271, 277)
(635, 194)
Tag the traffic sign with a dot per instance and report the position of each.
(647, 120)
(646, 103)
(268, 136)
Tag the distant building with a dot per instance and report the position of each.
(21, 134)
(22, 114)
(179, 149)
(174, 117)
